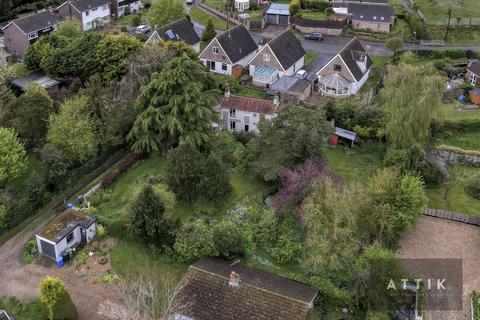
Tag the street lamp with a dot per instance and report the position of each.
(414, 39)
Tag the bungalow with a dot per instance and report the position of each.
(473, 73)
(20, 33)
(217, 289)
(65, 232)
(345, 73)
(281, 56)
(234, 47)
(180, 30)
(90, 13)
(242, 114)
(378, 18)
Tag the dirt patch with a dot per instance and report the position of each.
(440, 238)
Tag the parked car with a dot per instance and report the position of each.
(143, 28)
(190, 1)
(314, 36)
(301, 74)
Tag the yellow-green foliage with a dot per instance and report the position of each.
(295, 6)
(101, 231)
(459, 150)
(51, 292)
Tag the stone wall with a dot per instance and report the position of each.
(452, 155)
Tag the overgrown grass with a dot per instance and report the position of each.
(124, 190)
(438, 9)
(355, 165)
(310, 56)
(23, 310)
(202, 18)
(314, 15)
(462, 34)
(450, 112)
(464, 140)
(457, 200)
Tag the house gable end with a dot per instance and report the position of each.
(328, 69)
(257, 60)
(221, 56)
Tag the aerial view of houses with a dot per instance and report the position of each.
(237, 160)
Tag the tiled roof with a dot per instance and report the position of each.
(84, 5)
(248, 104)
(474, 67)
(181, 28)
(237, 43)
(38, 21)
(206, 294)
(287, 49)
(371, 12)
(351, 53)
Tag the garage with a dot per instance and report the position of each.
(47, 249)
(278, 13)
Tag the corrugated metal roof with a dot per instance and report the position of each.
(279, 8)
(345, 134)
(39, 78)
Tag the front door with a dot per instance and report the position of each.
(83, 233)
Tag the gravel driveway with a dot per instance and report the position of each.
(439, 238)
(21, 281)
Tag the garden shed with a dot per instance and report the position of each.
(66, 232)
(278, 13)
(346, 136)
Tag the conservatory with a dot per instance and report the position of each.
(242, 5)
(334, 85)
(265, 75)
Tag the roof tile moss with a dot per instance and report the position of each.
(66, 220)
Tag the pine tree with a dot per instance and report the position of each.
(209, 33)
(175, 105)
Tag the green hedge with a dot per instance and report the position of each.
(415, 25)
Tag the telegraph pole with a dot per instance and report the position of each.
(449, 18)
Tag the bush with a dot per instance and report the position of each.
(394, 156)
(253, 6)
(415, 24)
(194, 240)
(431, 174)
(295, 6)
(135, 20)
(127, 11)
(126, 163)
(228, 240)
(123, 28)
(473, 187)
(319, 5)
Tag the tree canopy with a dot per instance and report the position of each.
(163, 12)
(13, 159)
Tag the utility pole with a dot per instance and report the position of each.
(414, 39)
(449, 18)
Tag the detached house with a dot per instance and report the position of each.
(90, 13)
(230, 50)
(375, 15)
(473, 73)
(281, 56)
(119, 7)
(222, 290)
(345, 73)
(20, 33)
(180, 30)
(242, 114)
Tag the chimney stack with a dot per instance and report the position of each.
(234, 279)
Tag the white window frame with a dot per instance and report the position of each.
(224, 67)
(87, 13)
(215, 50)
(32, 35)
(266, 57)
(232, 113)
(233, 125)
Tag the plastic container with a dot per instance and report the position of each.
(60, 262)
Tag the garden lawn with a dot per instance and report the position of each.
(314, 15)
(438, 9)
(355, 165)
(461, 34)
(23, 310)
(202, 18)
(250, 92)
(450, 112)
(124, 190)
(215, 4)
(458, 200)
(310, 56)
(464, 140)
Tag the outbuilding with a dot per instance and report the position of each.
(65, 232)
(346, 136)
(278, 13)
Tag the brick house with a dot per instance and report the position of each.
(217, 289)
(281, 56)
(20, 33)
(90, 13)
(234, 47)
(473, 73)
(375, 15)
(345, 73)
(180, 30)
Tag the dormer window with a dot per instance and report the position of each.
(32, 35)
(266, 57)
(215, 50)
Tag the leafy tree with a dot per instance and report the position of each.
(56, 164)
(194, 240)
(209, 33)
(228, 239)
(34, 54)
(288, 139)
(175, 105)
(163, 12)
(413, 158)
(112, 55)
(3, 216)
(69, 28)
(73, 131)
(193, 175)
(394, 203)
(29, 114)
(13, 159)
(52, 291)
(412, 97)
(394, 44)
(148, 223)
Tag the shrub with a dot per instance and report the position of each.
(123, 28)
(295, 6)
(394, 156)
(473, 187)
(253, 6)
(127, 11)
(228, 239)
(415, 24)
(126, 163)
(135, 20)
(101, 231)
(194, 240)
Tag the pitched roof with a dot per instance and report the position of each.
(84, 5)
(248, 104)
(377, 2)
(474, 67)
(37, 21)
(371, 12)
(287, 49)
(182, 30)
(351, 53)
(279, 8)
(259, 295)
(237, 43)
(39, 78)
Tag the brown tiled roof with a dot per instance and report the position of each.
(206, 294)
(248, 104)
(474, 67)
